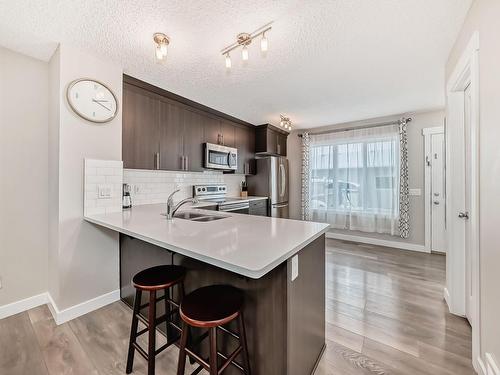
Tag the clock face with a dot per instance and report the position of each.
(92, 100)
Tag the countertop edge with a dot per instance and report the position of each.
(254, 274)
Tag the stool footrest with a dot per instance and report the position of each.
(233, 362)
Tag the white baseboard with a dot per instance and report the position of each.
(65, 315)
(480, 368)
(446, 294)
(377, 241)
(60, 316)
(23, 305)
(492, 367)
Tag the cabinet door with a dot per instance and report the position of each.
(245, 143)
(272, 141)
(171, 136)
(211, 130)
(227, 132)
(258, 208)
(281, 144)
(140, 128)
(193, 141)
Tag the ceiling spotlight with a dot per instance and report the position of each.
(228, 61)
(285, 122)
(243, 40)
(161, 45)
(264, 44)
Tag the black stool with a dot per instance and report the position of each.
(212, 307)
(152, 280)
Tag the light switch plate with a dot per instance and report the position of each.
(104, 191)
(415, 192)
(295, 267)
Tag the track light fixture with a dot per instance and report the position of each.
(243, 40)
(285, 122)
(161, 46)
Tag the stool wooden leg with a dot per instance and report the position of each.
(243, 343)
(181, 366)
(168, 309)
(133, 331)
(213, 351)
(152, 332)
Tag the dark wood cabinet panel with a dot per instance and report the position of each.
(211, 129)
(193, 141)
(228, 133)
(270, 140)
(171, 136)
(140, 140)
(259, 208)
(164, 131)
(245, 143)
(281, 144)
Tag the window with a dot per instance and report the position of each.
(354, 178)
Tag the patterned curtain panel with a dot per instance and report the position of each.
(306, 173)
(404, 193)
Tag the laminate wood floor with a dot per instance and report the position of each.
(385, 315)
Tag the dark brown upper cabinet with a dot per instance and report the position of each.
(140, 146)
(194, 136)
(162, 130)
(245, 143)
(270, 140)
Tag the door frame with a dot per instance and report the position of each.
(466, 73)
(427, 133)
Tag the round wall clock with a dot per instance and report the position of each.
(92, 100)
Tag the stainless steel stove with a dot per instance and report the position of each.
(218, 194)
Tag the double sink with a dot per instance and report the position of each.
(195, 216)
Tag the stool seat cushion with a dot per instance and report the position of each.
(159, 277)
(212, 306)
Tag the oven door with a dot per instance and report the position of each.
(220, 157)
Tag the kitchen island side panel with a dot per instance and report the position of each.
(306, 309)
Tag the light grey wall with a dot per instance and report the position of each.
(23, 176)
(84, 260)
(416, 171)
(483, 17)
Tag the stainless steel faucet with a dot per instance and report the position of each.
(172, 208)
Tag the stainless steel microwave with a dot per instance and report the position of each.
(220, 157)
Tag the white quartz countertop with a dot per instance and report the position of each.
(248, 245)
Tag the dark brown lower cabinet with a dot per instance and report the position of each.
(259, 208)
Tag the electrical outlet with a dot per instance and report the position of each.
(104, 191)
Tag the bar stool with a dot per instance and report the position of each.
(212, 307)
(153, 280)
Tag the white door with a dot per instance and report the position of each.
(467, 203)
(438, 211)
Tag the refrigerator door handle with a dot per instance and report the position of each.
(282, 180)
(280, 205)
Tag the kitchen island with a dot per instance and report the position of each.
(284, 309)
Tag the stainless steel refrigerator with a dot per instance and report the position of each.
(271, 181)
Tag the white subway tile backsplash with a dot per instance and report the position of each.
(148, 187)
(102, 172)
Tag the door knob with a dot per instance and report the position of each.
(463, 215)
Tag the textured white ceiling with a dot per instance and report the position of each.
(328, 61)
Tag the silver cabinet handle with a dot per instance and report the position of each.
(463, 215)
(186, 162)
(157, 160)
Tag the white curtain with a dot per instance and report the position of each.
(354, 179)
